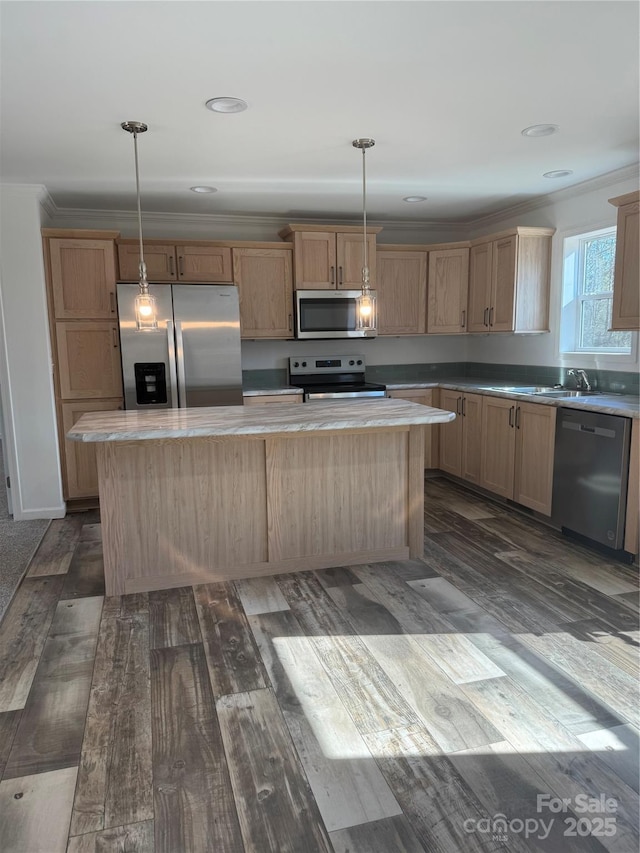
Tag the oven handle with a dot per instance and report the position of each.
(310, 396)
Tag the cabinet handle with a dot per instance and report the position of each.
(170, 264)
(459, 406)
(484, 318)
(339, 276)
(463, 318)
(114, 335)
(180, 269)
(291, 322)
(491, 317)
(518, 417)
(333, 276)
(112, 302)
(511, 416)
(464, 407)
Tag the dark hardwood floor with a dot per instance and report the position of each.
(484, 698)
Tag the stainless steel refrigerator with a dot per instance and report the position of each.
(193, 359)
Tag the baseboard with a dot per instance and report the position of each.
(42, 513)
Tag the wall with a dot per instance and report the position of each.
(569, 212)
(30, 431)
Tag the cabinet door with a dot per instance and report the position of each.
(350, 257)
(447, 288)
(314, 259)
(267, 399)
(535, 441)
(632, 521)
(426, 397)
(402, 293)
(451, 433)
(83, 278)
(503, 285)
(471, 437)
(498, 445)
(264, 281)
(480, 261)
(81, 474)
(204, 263)
(160, 261)
(626, 293)
(88, 360)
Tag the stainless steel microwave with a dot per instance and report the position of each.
(328, 314)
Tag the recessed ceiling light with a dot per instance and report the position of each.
(540, 130)
(412, 199)
(203, 189)
(558, 173)
(226, 105)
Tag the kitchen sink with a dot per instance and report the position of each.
(519, 389)
(566, 393)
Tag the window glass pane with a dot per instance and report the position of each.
(599, 257)
(594, 322)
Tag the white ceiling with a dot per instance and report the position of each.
(443, 87)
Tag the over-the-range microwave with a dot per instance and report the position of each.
(328, 314)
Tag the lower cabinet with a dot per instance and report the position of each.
(460, 439)
(79, 457)
(261, 399)
(427, 397)
(517, 451)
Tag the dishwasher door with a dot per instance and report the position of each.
(590, 473)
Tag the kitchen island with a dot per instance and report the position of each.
(191, 496)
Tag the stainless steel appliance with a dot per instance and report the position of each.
(591, 468)
(328, 314)
(193, 359)
(332, 378)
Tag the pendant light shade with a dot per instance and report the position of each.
(366, 318)
(145, 303)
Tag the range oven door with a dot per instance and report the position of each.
(328, 314)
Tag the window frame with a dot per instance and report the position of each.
(572, 299)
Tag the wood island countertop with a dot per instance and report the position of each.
(263, 421)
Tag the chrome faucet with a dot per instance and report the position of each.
(582, 380)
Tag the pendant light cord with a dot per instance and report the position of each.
(365, 271)
(144, 285)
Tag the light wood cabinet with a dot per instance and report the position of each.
(426, 397)
(460, 440)
(264, 281)
(447, 291)
(83, 278)
(330, 258)
(509, 276)
(267, 399)
(402, 293)
(80, 456)
(81, 290)
(626, 286)
(517, 451)
(195, 262)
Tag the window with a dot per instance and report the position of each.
(587, 295)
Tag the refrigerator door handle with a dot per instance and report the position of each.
(182, 376)
(173, 379)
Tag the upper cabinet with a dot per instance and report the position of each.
(175, 262)
(626, 286)
(83, 278)
(401, 286)
(447, 289)
(509, 278)
(330, 257)
(264, 281)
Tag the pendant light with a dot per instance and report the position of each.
(366, 302)
(145, 303)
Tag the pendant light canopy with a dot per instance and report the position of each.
(145, 303)
(365, 303)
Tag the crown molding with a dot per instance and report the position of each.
(593, 184)
(62, 215)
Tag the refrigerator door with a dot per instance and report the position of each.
(148, 358)
(207, 330)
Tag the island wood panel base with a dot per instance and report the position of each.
(187, 511)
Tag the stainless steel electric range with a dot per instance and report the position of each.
(334, 377)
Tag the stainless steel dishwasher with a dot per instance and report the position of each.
(590, 473)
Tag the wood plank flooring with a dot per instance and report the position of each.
(401, 707)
